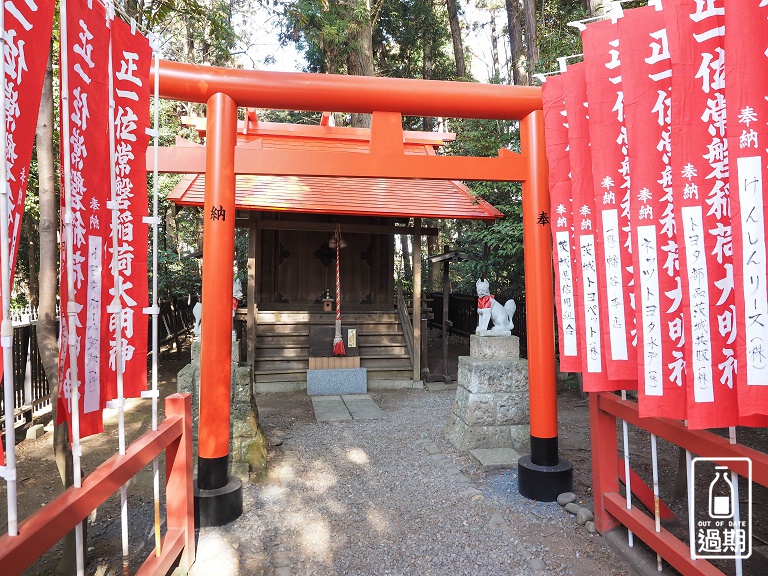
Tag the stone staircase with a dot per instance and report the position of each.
(281, 353)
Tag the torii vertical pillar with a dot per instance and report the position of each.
(542, 475)
(218, 498)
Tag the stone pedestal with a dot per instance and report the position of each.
(491, 407)
(248, 442)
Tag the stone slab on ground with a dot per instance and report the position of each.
(362, 407)
(495, 458)
(330, 409)
(334, 382)
(439, 386)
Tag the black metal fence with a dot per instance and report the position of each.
(32, 391)
(462, 313)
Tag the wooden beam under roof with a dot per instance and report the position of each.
(330, 227)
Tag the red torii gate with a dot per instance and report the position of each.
(542, 475)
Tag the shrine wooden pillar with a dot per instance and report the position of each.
(218, 498)
(542, 475)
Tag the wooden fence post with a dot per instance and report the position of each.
(605, 461)
(180, 506)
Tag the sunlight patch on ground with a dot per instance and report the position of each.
(316, 540)
(215, 555)
(358, 456)
(321, 477)
(377, 520)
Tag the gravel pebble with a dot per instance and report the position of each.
(572, 507)
(566, 498)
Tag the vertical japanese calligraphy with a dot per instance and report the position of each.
(556, 134)
(647, 85)
(747, 111)
(86, 107)
(611, 179)
(700, 185)
(27, 36)
(131, 59)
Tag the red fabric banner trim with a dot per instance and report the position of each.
(611, 180)
(647, 84)
(27, 43)
(561, 221)
(131, 60)
(747, 111)
(87, 106)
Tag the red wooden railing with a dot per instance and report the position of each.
(47, 526)
(611, 506)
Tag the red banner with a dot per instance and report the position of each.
(611, 180)
(131, 60)
(588, 310)
(27, 43)
(86, 106)
(566, 285)
(700, 174)
(647, 84)
(747, 112)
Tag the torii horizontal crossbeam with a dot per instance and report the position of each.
(361, 94)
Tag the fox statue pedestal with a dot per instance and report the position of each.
(491, 407)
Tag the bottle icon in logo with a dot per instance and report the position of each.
(721, 494)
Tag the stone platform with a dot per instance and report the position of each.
(491, 407)
(337, 381)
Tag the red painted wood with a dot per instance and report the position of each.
(699, 442)
(605, 460)
(172, 546)
(644, 493)
(180, 505)
(389, 198)
(539, 304)
(47, 526)
(364, 94)
(218, 254)
(671, 549)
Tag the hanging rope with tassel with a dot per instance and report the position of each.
(338, 341)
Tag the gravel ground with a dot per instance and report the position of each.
(391, 496)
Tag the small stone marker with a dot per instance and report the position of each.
(495, 458)
(34, 432)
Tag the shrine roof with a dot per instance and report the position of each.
(384, 197)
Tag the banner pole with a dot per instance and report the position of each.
(627, 476)
(71, 311)
(116, 308)
(6, 329)
(736, 508)
(154, 310)
(656, 513)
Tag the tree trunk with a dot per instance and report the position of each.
(360, 56)
(458, 44)
(494, 45)
(594, 7)
(531, 41)
(406, 254)
(519, 64)
(34, 284)
(435, 277)
(46, 323)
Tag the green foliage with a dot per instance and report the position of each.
(494, 251)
